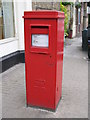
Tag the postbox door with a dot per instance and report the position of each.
(41, 69)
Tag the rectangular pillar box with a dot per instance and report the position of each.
(44, 41)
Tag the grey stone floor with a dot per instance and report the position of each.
(89, 90)
(74, 103)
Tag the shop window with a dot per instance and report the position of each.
(7, 29)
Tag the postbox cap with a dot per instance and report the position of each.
(44, 14)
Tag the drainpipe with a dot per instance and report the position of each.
(85, 15)
(85, 32)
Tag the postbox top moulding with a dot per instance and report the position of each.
(44, 14)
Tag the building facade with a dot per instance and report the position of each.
(12, 26)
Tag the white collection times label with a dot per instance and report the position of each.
(40, 40)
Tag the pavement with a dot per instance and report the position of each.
(74, 102)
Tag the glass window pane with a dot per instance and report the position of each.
(7, 20)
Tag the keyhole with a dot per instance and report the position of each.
(57, 88)
(50, 56)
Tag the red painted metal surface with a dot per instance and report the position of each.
(44, 66)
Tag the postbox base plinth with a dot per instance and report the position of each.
(49, 109)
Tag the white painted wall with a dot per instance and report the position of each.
(20, 7)
(10, 45)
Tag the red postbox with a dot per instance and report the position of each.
(44, 41)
